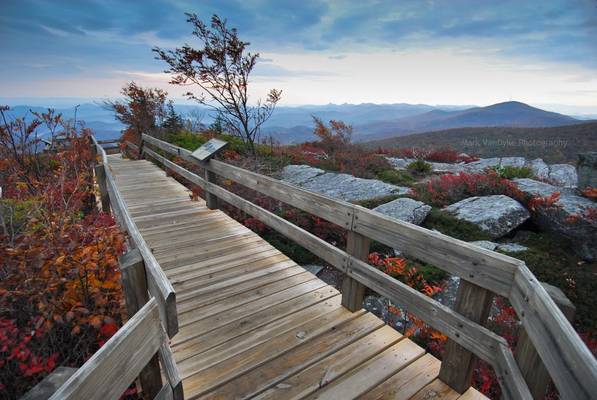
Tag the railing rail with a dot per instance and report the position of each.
(157, 283)
(568, 361)
(108, 373)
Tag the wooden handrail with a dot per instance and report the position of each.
(158, 284)
(108, 373)
(568, 360)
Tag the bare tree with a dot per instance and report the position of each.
(221, 68)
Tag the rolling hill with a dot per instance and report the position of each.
(554, 144)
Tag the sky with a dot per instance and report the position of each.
(543, 52)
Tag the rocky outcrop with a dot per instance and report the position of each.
(563, 175)
(560, 174)
(507, 247)
(587, 170)
(497, 215)
(570, 215)
(340, 186)
(405, 209)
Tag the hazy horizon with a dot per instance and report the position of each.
(384, 52)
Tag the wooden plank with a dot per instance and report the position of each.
(210, 199)
(352, 290)
(570, 363)
(509, 376)
(208, 324)
(438, 390)
(530, 364)
(472, 394)
(261, 325)
(100, 175)
(199, 313)
(410, 381)
(371, 373)
(305, 355)
(330, 368)
(112, 368)
(458, 364)
(233, 286)
(206, 380)
(171, 371)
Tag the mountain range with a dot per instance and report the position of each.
(370, 121)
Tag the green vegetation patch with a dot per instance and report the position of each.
(396, 177)
(451, 226)
(420, 166)
(511, 172)
(551, 259)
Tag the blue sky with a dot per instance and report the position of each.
(437, 52)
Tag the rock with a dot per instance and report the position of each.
(313, 268)
(482, 164)
(399, 163)
(587, 170)
(539, 167)
(497, 215)
(513, 162)
(405, 209)
(512, 247)
(341, 186)
(447, 167)
(299, 174)
(563, 174)
(571, 216)
(486, 244)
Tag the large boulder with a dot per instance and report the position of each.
(497, 215)
(587, 170)
(405, 209)
(572, 216)
(563, 175)
(340, 186)
(539, 167)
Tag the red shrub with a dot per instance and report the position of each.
(447, 189)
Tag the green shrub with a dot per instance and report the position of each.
(396, 177)
(511, 172)
(451, 226)
(420, 166)
(187, 140)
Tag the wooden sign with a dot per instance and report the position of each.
(209, 149)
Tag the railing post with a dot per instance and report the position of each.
(474, 303)
(210, 199)
(134, 283)
(100, 176)
(140, 155)
(353, 291)
(530, 364)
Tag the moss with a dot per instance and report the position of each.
(420, 166)
(372, 203)
(396, 177)
(17, 213)
(551, 259)
(451, 226)
(511, 172)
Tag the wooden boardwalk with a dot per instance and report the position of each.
(254, 324)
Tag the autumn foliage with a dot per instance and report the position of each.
(60, 295)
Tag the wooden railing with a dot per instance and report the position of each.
(111, 370)
(157, 283)
(140, 348)
(483, 274)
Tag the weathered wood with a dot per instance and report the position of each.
(527, 358)
(171, 371)
(509, 376)
(157, 282)
(210, 199)
(570, 363)
(112, 368)
(134, 283)
(352, 290)
(485, 268)
(458, 364)
(100, 176)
